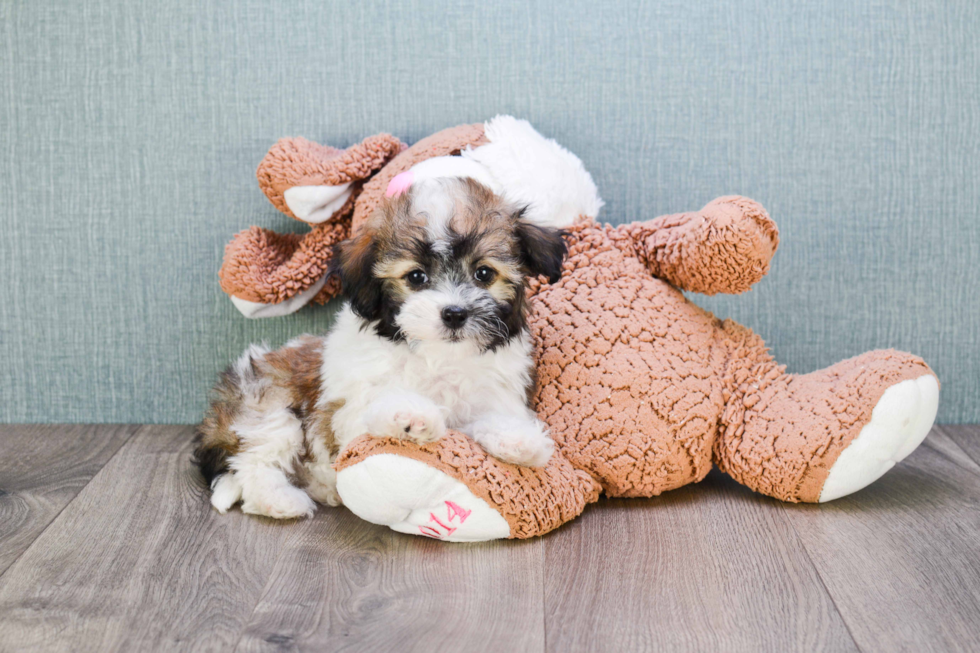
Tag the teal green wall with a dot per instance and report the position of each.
(130, 131)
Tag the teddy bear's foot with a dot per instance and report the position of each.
(269, 274)
(453, 490)
(820, 436)
(316, 204)
(899, 423)
(257, 310)
(409, 496)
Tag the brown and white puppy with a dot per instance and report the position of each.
(433, 336)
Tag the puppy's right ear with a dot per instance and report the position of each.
(543, 249)
(354, 263)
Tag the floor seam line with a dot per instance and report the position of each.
(139, 427)
(268, 581)
(942, 429)
(823, 584)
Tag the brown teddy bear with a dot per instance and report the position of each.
(642, 390)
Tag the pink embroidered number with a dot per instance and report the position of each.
(454, 513)
(455, 510)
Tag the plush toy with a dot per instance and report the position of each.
(642, 390)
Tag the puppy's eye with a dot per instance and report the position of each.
(484, 274)
(417, 278)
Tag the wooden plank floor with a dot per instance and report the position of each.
(107, 543)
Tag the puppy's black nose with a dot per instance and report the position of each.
(454, 316)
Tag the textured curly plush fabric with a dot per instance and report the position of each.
(645, 390)
(724, 248)
(299, 162)
(627, 369)
(268, 267)
(781, 433)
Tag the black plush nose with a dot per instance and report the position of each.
(454, 316)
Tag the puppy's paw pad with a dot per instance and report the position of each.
(286, 502)
(419, 426)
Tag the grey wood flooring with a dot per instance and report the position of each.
(107, 543)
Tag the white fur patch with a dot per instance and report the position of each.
(518, 439)
(410, 497)
(369, 374)
(538, 172)
(431, 199)
(899, 423)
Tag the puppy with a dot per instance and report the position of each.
(433, 336)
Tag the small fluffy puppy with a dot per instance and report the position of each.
(433, 336)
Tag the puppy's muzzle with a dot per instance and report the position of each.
(454, 316)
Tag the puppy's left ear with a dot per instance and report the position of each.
(353, 262)
(543, 249)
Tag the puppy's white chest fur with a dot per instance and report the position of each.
(366, 372)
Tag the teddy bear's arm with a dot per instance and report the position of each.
(267, 274)
(312, 182)
(723, 248)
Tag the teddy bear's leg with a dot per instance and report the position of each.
(823, 435)
(268, 274)
(452, 490)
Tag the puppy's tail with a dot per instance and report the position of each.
(216, 440)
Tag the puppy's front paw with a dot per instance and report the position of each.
(528, 452)
(513, 440)
(407, 416)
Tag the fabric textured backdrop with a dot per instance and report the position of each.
(131, 130)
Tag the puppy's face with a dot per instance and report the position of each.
(447, 261)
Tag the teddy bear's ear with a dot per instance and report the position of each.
(316, 183)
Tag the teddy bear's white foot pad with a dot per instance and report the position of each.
(316, 204)
(254, 310)
(899, 423)
(411, 497)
